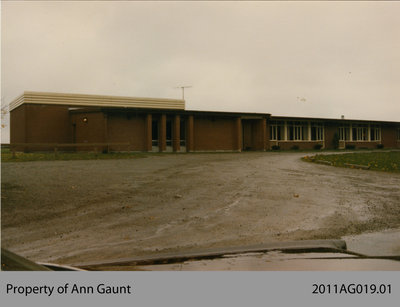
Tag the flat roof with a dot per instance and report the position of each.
(84, 100)
(109, 102)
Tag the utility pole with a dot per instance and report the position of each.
(183, 90)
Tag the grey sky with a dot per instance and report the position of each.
(320, 59)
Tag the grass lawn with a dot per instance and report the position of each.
(377, 161)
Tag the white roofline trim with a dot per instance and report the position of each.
(96, 101)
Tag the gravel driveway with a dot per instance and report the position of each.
(79, 211)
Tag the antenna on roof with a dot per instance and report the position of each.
(183, 90)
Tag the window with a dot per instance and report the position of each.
(317, 131)
(375, 133)
(273, 132)
(297, 131)
(344, 133)
(360, 132)
(304, 127)
(276, 130)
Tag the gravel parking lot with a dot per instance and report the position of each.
(79, 211)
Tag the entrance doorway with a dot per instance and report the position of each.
(182, 135)
(154, 135)
(247, 133)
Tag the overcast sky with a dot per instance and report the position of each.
(322, 59)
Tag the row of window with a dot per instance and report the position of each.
(314, 131)
(296, 131)
(360, 132)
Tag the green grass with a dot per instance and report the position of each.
(377, 161)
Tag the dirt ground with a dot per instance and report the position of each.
(79, 211)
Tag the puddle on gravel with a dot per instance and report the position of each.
(382, 243)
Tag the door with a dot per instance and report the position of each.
(247, 135)
(154, 135)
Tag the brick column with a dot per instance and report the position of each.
(162, 139)
(190, 134)
(238, 134)
(147, 141)
(267, 134)
(176, 134)
(264, 133)
(106, 131)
